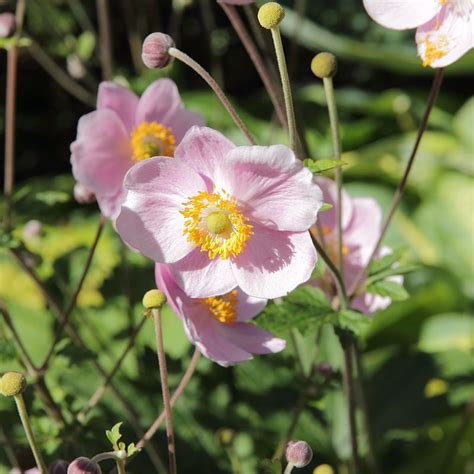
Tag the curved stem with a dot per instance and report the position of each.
(289, 468)
(397, 197)
(104, 457)
(25, 420)
(257, 60)
(285, 82)
(73, 301)
(183, 57)
(165, 390)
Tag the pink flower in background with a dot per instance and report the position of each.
(224, 216)
(124, 130)
(219, 325)
(7, 25)
(362, 224)
(445, 27)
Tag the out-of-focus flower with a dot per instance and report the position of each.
(224, 216)
(361, 228)
(298, 453)
(32, 229)
(124, 130)
(7, 25)
(445, 28)
(82, 194)
(75, 66)
(58, 467)
(83, 465)
(219, 326)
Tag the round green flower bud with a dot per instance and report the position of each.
(12, 384)
(324, 65)
(271, 15)
(154, 299)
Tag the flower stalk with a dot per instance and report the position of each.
(156, 313)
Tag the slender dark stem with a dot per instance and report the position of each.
(183, 57)
(10, 113)
(160, 349)
(435, 88)
(177, 393)
(257, 60)
(347, 343)
(9, 449)
(95, 398)
(105, 39)
(362, 390)
(72, 303)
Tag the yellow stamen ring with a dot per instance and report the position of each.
(152, 139)
(216, 224)
(223, 308)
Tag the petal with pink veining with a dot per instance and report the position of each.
(120, 99)
(402, 14)
(274, 263)
(272, 186)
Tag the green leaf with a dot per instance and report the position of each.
(352, 320)
(114, 435)
(385, 262)
(52, 197)
(85, 45)
(391, 272)
(269, 466)
(132, 449)
(325, 207)
(318, 166)
(388, 288)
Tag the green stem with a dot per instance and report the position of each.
(289, 468)
(336, 139)
(196, 67)
(165, 390)
(25, 420)
(285, 83)
(121, 466)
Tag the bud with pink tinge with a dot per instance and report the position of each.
(83, 466)
(155, 50)
(7, 25)
(83, 195)
(298, 453)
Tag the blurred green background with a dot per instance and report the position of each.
(418, 353)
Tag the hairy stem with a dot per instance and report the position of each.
(165, 390)
(25, 420)
(183, 57)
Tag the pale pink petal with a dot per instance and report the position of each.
(248, 307)
(100, 155)
(447, 37)
(369, 303)
(159, 102)
(363, 231)
(274, 263)
(204, 149)
(200, 277)
(328, 218)
(402, 14)
(150, 220)
(120, 99)
(272, 186)
(110, 205)
(182, 121)
(166, 282)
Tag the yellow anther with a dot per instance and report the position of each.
(223, 308)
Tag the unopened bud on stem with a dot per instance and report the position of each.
(270, 15)
(298, 453)
(324, 65)
(83, 466)
(155, 50)
(154, 299)
(12, 384)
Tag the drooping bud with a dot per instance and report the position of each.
(58, 467)
(298, 453)
(154, 299)
(270, 15)
(83, 466)
(83, 195)
(155, 50)
(7, 25)
(324, 65)
(12, 384)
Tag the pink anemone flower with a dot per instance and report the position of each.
(125, 130)
(445, 27)
(224, 216)
(361, 227)
(219, 326)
